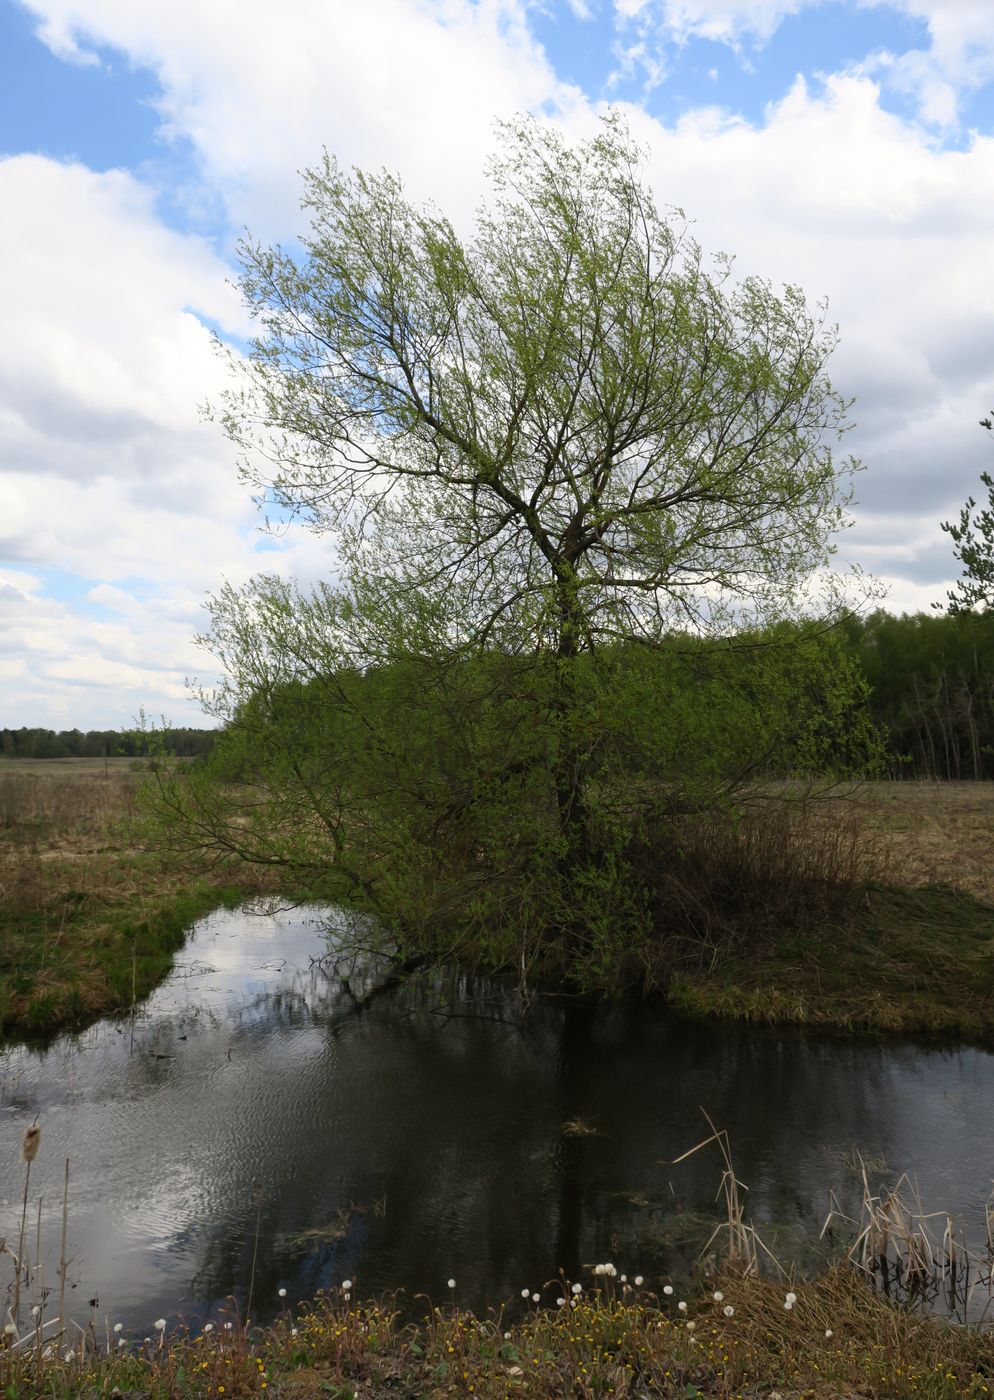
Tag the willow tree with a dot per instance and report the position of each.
(534, 451)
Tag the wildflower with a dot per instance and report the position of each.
(118, 1326)
(577, 1288)
(282, 1292)
(682, 1305)
(718, 1297)
(452, 1283)
(638, 1282)
(160, 1324)
(30, 1143)
(667, 1289)
(728, 1310)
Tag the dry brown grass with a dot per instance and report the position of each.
(65, 805)
(933, 833)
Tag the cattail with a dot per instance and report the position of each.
(31, 1143)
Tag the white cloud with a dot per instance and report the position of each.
(110, 475)
(413, 84)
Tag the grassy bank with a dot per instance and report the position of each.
(837, 1338)
(89, 922)
(918, 954)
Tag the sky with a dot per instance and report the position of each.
(845, 146)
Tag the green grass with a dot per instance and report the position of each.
(917, 961)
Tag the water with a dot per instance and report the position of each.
(419, 1134)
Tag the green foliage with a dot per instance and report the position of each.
(973, 540)
(931, 690)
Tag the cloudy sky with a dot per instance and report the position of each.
(844, 145)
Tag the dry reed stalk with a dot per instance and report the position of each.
(29, 1151)
(62, 1253)
(744, 1242)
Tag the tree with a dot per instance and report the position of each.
(540, 455)
(973, 540)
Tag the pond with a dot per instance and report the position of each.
(263, 1102)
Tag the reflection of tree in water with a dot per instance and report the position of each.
(445, 1100)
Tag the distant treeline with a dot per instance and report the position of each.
(931, 694)
(931, 680)
(102, 743)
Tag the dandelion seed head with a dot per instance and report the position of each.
(535, 1297)
(690, 1326)
(293, 1331)
(577, 1288)
(682, 1305)
(346, 1283)
(791, 1299)
(9, 1329)
(638, 1281)
(36, 1311)
(452, 1283)
(68, 1356)
(788, 1305)
(160, 1324)
(560, 1302)
(667, 1289)
(208, 1327)
(718, 1296)
(829, 1334)
(118, 1326)
(524, 1292)
(282, 1292)
(728, 1310)
(121, 1342)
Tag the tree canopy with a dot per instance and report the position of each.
(554, 461)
